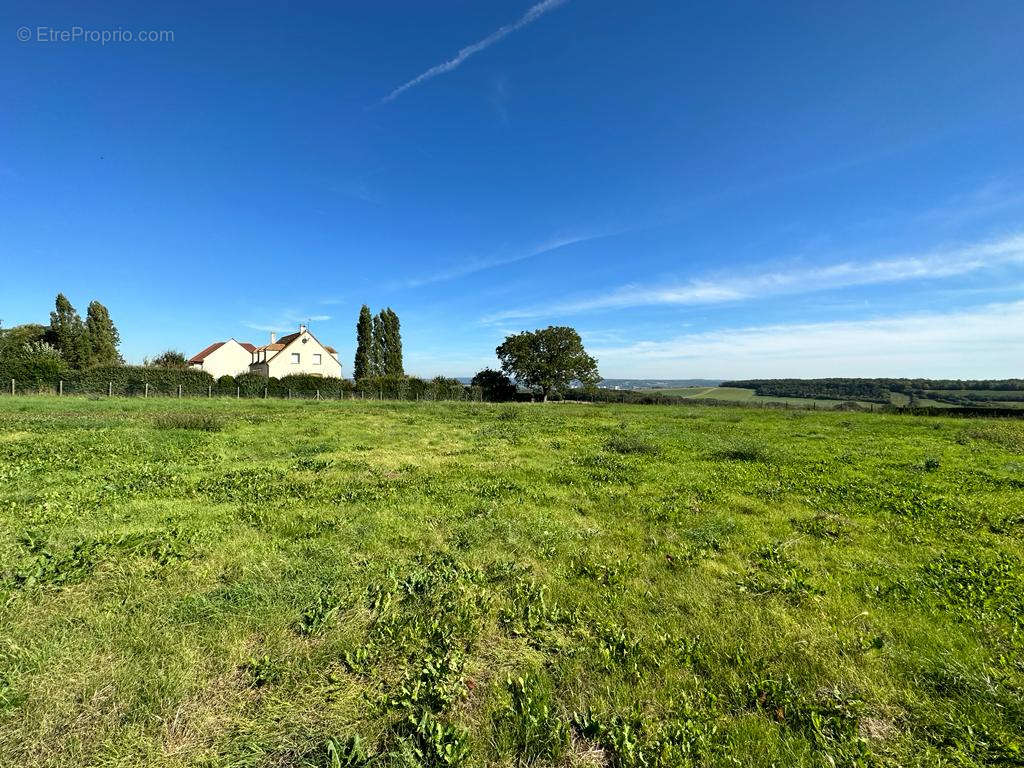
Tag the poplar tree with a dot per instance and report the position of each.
(103, 336)
(72, 340)
(378, 345)
(392, 344)
(364, 365)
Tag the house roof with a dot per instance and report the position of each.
(284, 341)
(203, 355)
(217, 345)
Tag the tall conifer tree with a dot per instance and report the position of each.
(103, 336)
(69, 333)
(378, 344)
(392, 344)
(364, 345)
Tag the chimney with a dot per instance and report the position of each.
(302, 328)
(273, 337)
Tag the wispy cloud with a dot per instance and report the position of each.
(469, 266)
(932, 265)
(285, 321)
(978, 342)
(531, 15)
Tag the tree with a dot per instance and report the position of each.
(72, 340)
(171, 358)
(392, 338)
(377, 356)
(103, 336)
(26, 356)
(495, 386)
(548, 360)
(364, 345)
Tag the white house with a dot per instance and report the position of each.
(224, 358)
(296, 353)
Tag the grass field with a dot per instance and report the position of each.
(275, 583)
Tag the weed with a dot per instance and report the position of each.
(203, 422)
(627, 441)
(312, 464)
(345, 754)
(320, 612)
(263, 670)
(822, 526)
(527, 724)
(435, 743)
(745, 451)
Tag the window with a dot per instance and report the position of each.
(295, 358)
(316, 359)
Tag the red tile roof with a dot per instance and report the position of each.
(202, 355)
(217, 345)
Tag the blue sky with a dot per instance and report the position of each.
(702, 190)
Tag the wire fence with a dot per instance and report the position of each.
(452, 391)
(412, 391)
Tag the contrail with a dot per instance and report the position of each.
(534, 13)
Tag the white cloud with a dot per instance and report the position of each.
(531, 15)
(932, 265)
(981, 342)
(471, 266)
(287, 321)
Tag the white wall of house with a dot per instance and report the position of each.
(304, 355)
(229, 359)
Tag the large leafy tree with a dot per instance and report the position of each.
(548, 360)
(364, 345)
(70, 336)
(495, 386)
(392, 337)
(103, 336)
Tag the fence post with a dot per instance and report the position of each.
(179, 391)
(60, 388)
(265, 393)
(110, 389)
(238, 392)
(289, 394)
(146, 393)
(318, 394)
(209, 390)
(12, 386)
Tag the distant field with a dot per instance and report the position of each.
(284, 583)
(743, 395)
(1007, 399)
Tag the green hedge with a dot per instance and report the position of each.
(131, 380)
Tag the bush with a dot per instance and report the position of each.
(495, 386)
(33, 365)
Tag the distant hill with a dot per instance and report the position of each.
(658, 383)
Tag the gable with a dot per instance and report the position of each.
(293, 343)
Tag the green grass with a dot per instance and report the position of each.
(274, 583)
